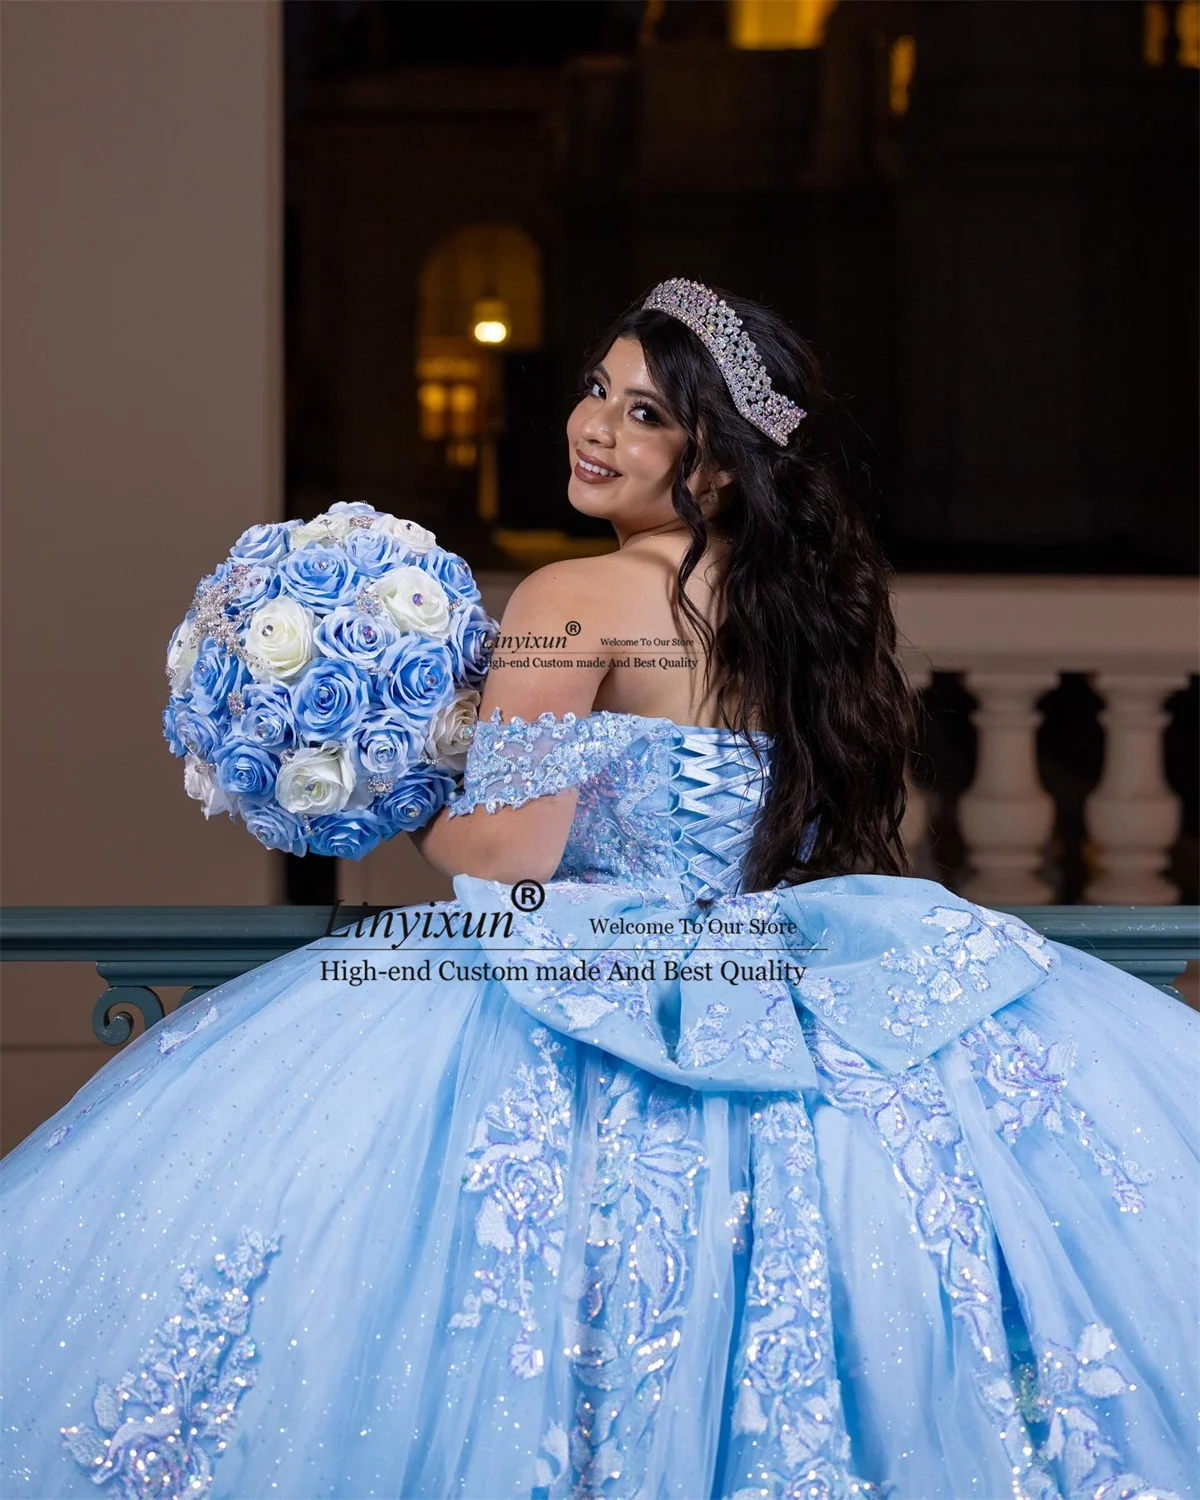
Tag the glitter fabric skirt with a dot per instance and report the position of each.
(316, 1238)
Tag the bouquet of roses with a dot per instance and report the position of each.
(325, 681)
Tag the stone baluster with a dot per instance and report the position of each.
(1133, 816)
(1005, 816)
(914, 830)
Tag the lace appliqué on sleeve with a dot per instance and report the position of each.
(512, 763)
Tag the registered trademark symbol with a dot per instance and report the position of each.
(528, 895)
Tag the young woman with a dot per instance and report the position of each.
(726, 1160)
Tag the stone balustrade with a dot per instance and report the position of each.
(1010, 639)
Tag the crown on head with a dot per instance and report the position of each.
(720, 330)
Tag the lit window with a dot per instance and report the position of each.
(464, 404)
(432, 401)
(1155, 27)
(1187, 33)
(462, 455)
(1156, 33)
(902, 63)
(448, 402)
(778, 24)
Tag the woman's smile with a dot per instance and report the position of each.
(593, 470)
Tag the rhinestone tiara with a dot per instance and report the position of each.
(720, 330)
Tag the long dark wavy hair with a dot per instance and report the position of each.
(804, 646)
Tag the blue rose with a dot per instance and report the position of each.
(415, 799)
(170, 730)
(277, 829)
(322, 578)
(197, 732)
(260, 582)
(347, 835)
(420, 682)
(219, 573)
(215, 674)
(472, 638)
(266, 719)
(247, 771)
(383, 747)
(352, 508)
(330, 701)
(369, 641)
(374, 553)
(262, 544)
(451, 572)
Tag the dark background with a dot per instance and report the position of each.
(996, 261)
(1002, 278)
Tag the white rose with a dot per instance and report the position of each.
(316, 780)
(200, 783)
(451, 731)
(415, 600)
(327, 527)
(181, 657)
(416, 538)
(279, 639)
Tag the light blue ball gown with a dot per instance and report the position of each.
(901, 1202)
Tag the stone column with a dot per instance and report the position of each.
(1005, 816)
(1133, 816)
(142, 412)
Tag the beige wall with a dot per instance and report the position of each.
(142, 428)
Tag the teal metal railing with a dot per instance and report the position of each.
(136, 948)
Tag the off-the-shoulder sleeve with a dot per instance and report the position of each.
(513, 762)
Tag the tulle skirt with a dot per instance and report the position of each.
(311, 1238)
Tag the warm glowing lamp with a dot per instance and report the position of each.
(490, 322)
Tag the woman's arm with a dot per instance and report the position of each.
(527, 842)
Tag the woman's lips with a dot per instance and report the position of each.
(590, 475)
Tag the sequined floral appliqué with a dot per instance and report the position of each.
(938, 974)
(790, 1436)
(916, 1127)
(1024, 1080)
(1058, 1403)
(518, 1163)
(622, 983)
(770, 1039)
(164, 1424)
(636, 1276)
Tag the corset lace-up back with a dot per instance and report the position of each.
(663, 806)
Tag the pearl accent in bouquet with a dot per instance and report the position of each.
(325, 682)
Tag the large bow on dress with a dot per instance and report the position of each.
(711, 996)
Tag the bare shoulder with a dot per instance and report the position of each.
(594, 592)
(558, 580)
(545, 658)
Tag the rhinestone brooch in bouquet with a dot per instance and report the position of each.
(325, 681)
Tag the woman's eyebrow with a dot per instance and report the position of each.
(630, 390)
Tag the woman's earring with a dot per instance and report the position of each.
(711, 497)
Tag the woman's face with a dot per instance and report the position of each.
(623, 447)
